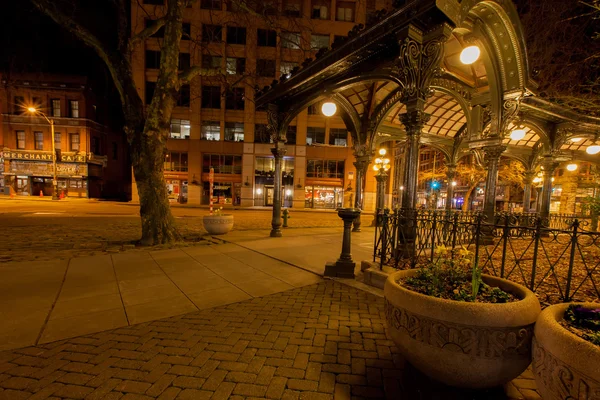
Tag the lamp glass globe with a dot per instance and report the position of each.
(593, 149)
(517, 134)
(328, 108)
(572, 167)
(469, 55)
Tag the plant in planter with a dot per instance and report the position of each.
(218, 223)
(566, 352)
(459, 326)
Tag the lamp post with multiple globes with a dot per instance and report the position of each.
(382, 165)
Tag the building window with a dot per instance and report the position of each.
(74, 141)
(55, 107)
(19, 105)
(152, 59)
(74, 108)
(95, 145)
(265, 68)
(222, 163)
(211, 130)
(291, 134)
(234, 131)
(325, 169)
(159, 33)
(314, 109)
(345, 12)
(211, 62)
(212, 33)
(292, 8)
(290, 40)
(115, 151)
(176, 162)
(39, 140)
(184, 61)
(180, 129)
(183, 98)
(235, 99)
(267, 38)
(320, 9)
(210, 4)
(150, 87)
(261, 134)
(57, 140)
(186, 31)
(211, 97)
(236, 35)
(21, 140)
(338, 137)
(285, 68)
(236, 66)
(319, 42)
(315, 135)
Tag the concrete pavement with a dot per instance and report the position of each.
(51, 300)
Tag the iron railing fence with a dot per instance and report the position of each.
(559, 260)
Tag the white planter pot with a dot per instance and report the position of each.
(218, 224)
(471, 345)
(565, 366)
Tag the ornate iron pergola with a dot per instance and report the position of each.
(400, 78)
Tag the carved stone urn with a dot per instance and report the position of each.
(565, 366)
(218, 224)
(462, 344)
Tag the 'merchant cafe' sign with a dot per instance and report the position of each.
(40, 156)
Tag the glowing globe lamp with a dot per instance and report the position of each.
(517, 134)
(593, 149)
(328, 108)
(572, 167)
(469, 55)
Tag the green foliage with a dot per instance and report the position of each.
(586, 321)
(454, 276)
(591, 204)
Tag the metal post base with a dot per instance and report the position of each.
(340, 269)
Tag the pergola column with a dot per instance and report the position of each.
(381, 178)
(451, 175)
(528, 180)
(413, 124)
(362, 165)
(277, 131)
(491, 158)
(549, 166)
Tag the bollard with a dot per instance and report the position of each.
(344, 266)
(286, 215)
(41, 193)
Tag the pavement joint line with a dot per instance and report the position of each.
(62, 283)
(221, 276)
(275, 258)
(112, 262)
(176, 285)
(266, 273)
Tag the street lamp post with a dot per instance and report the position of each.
(33, 110)
(382, 165)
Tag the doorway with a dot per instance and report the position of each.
(269, 190)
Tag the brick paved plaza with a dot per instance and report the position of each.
(321, 341)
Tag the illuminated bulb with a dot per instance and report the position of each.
(378, 161)
(552, 179)
(593, 149)
(572, 167)
(469, 55)
(453, 183)
(537, 179)
(386, 167)
(382, 152)
(401, 187)
(328, 109)
(576, 139)
(288, 192)
(31, 109)
(258, 191)
(386, 160)
(375, 168)
(517, 134)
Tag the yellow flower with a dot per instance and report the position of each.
(463, 252)
(441, 250)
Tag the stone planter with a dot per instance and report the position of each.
(218, 224)
(565, 366)
(470, 345)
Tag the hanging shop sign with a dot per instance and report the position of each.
(40, 156)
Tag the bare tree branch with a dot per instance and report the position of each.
(145, 33)
(189, 74)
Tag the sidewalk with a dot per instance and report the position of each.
(45, 301)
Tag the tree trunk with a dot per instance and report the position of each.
(467, 202)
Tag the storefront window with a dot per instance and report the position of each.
(323, 197)
(222, 163)
(175, 161)
(325, 169)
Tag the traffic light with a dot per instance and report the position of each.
(435, 185)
